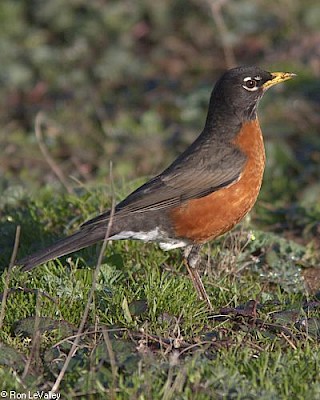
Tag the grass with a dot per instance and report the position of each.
(147, 336)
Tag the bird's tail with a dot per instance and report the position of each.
(70, 244)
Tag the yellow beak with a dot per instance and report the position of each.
(278, 77)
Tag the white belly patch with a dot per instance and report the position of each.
(156, 235)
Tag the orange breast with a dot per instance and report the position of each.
(211, 216)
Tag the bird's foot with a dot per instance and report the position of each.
(192, 260)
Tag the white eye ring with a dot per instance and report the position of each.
(248, 80)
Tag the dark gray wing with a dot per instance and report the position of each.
(199, 171)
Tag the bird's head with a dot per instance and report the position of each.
(239, 90)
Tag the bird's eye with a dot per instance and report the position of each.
(250, 84)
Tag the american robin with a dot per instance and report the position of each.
(204, 193)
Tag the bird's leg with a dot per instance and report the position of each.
(192, 260)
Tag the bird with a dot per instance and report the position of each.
(203, 194)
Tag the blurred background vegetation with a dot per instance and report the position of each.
(129, 82)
